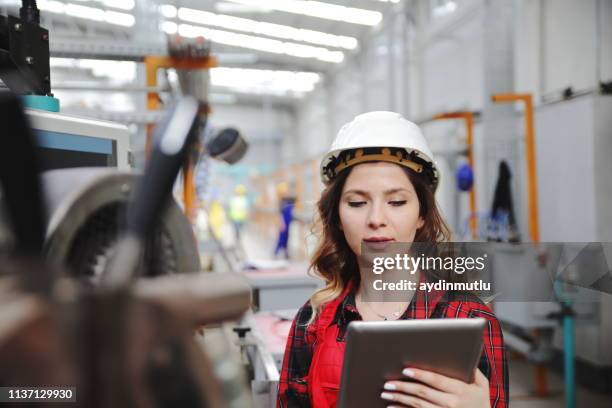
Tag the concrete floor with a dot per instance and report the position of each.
(522, 385)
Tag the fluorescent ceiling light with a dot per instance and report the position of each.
(444, 8)
(90, 13)
(52, 6)
(122, 19)
(167, 10)
(224, 7)
(261, 44)
(119, 4)
(269, 29)
(259, 81)
(320, 10)
(124, 71)
(86, 12)
(169, 27)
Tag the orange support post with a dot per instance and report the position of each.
(532, 182)
(298, 171)
(532, 191)
(152, 64)
(468, 118)
(316, 192)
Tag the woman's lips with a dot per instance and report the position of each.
(377, 243)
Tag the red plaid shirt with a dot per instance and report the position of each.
(293, 388)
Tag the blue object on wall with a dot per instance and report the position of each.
(465, 177)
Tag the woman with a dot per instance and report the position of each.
(380, 182)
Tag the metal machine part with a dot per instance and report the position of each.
(24, 48)
(19, 168)
(174, 137)
(195, 82)
(87, 208)
(116, 350)
(206, 298)
(265, 373)
(72, 141)
(228, 145)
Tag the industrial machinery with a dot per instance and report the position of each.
(86, 207)
(120, 334)
(66, 141)
(126, 341)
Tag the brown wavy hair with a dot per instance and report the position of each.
(335, 262)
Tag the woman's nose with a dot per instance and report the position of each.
(376, 216)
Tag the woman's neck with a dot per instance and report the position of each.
(378, 287)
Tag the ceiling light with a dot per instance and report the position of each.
(224, 7)
(169, 27)
(120, 4)
(320, 10)
(90, 13)
(52, 6)
(167, 10)
(444, 8)
(261, 43)
(260, 81)
(122, 19)
(269, 29)
(116, 70)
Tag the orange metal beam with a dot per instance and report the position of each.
(316, 191)
(468, 118)
(298, 171)
(532, 181)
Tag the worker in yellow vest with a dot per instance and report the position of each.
(239, 209)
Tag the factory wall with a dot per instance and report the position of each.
(563, 43)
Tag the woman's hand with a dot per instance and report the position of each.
(437, 391)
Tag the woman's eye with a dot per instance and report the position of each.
(398, 203)
(356, 203)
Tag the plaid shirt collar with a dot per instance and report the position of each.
(421, 306)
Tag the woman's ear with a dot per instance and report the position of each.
(420, 223)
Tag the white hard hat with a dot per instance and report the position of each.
(380, 136)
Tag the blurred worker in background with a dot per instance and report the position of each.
(286, 205)
(239, 210)
(216, 215)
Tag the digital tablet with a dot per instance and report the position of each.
(377, 352)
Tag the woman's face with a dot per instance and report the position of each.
(378, 205)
